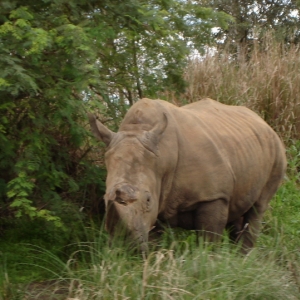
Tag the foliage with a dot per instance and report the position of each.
(147, 45)
(42, 134)
(60, 59)
(253, 19)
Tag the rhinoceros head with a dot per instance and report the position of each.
(133, 178)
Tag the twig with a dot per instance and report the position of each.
(241, 232)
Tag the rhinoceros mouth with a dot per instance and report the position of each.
(122, 222)
(129, 241)
(139, 242)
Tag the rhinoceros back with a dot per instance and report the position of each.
(223, 152)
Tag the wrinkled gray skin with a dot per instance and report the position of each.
(204, 166)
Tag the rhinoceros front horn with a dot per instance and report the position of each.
(101, 132)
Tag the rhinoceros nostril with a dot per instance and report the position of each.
(124, 194)
(121, 201)
(118, 192)
(121, 196)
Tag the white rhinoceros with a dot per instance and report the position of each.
(203, 166)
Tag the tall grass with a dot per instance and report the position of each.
(177, 267)
(267, 82)
(177, 272)
(166, 274)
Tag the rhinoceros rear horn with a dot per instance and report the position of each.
(101, 132)
(152, 137)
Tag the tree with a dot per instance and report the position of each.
(59, 59)
(46, 64)
(148, 43)
(254, 18)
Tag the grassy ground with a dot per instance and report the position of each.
(176, 268)
(37, 263)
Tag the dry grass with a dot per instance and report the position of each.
(171, 274)
(268, 82)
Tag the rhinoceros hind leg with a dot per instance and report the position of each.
(235, 229)
(252, 223)
(211, 218)
(253, 217)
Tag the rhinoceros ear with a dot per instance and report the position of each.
(157, 131)
(101, 132)
(152, 137)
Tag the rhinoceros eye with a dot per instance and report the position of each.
(148, 200)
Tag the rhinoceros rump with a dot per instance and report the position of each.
(203, 166)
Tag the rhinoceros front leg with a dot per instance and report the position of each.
(211, 218)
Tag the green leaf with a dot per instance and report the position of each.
(21, 12)
(4, 83)
(17, 203)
